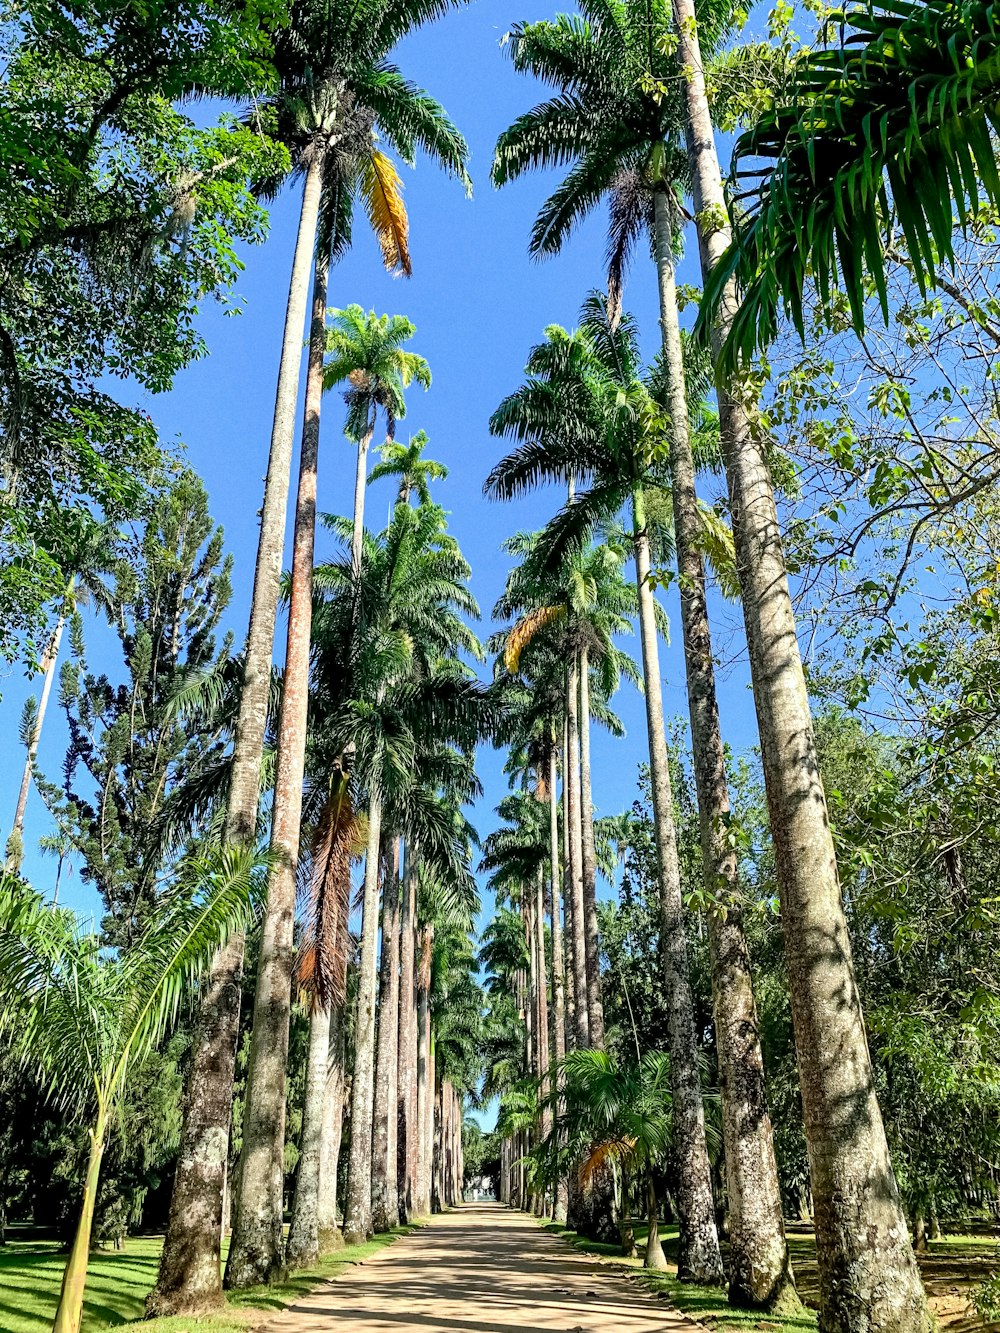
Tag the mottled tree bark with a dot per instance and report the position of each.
(407, 1090)
(385, 1191)
(559, 1198)
(571, 802)
(189, 1277)
(256, 1252)
(425, 1075)
(868, 1275)
(330, 1237)
(699, 1259)
(303, 1234)
(358, 1202)
(759, 1272)
(595, 1005)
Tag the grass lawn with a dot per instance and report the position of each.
(950, 1269)
(118, 1281)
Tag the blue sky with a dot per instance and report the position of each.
(478, 304)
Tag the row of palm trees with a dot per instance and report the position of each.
(638, 138)
(338, 98)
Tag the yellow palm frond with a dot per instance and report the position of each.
(382, 191)
(524, 631)
(603, 1154)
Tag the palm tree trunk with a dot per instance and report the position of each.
(654, 1257)
(432, 1120)
(358, 1205)
(541, 996)
(570, 1026)
(69, 1312)
(385, 1191)
(256, 1252)
(303, 1235)
(571, 791)
(189, 1276)
(759, 1273)
(559, 1198)
(867, 1270)
(360, 486)
(49, 659)
(699, 1259)
(437, 1176)
(425, 1076)
(330, 1237)
(406, 1091)
(595, 1005)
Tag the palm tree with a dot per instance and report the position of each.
(623, 1112)
(80, 1020)
(900, 110)
(407, 462)
(403, 617)
(630, 156)
(867, 1267)
(584, 411)
(336, 88)
(367, 352)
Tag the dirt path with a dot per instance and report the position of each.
(480, 1269)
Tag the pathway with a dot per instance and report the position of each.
(480, 1269)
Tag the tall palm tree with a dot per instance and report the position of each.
(584, 411)
(407, 462)
(366, 351)
(867, 1267)
(404, 616)
(81, 1021)
(621, 58)
(337, 87)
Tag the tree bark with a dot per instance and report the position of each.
(256, 1252)
(759, 1272)
(868, 1274)
(407, 1089)
(49, 659)
(559, 1198)
(360, 487)
(303, 1235)
(654, 1257)
(595, 1005)
(385, 1190)
(69, 1312)
(358, 1204)
(571, 796)
(699, 1258)
(425, 1076)
(189, 1278)
(330, 1237)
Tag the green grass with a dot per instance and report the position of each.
(118, 1282)
(706, 1305)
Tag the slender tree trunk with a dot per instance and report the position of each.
(49, 659)
(406, 1091)
(868, 1275)
(567, 939)
(541, 990)
(559, 1198)
(303, 1235)
(189, 1276)
(759, 1272)
(330, 1237)
(358, 1205)
(595, 1004)
(69, 1312)
(571, 791)
(654, 1256)
(385, 1191)
(429, 1110)
(437, 1140)
(425, 1077)
(360, 487)
(256, 1252)
(699, 1259)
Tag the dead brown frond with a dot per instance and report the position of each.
(321, 967)
(382, 191)
(602, 1155)
(524, 631)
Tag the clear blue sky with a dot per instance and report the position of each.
(478, 304)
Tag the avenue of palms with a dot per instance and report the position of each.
(411, 887)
